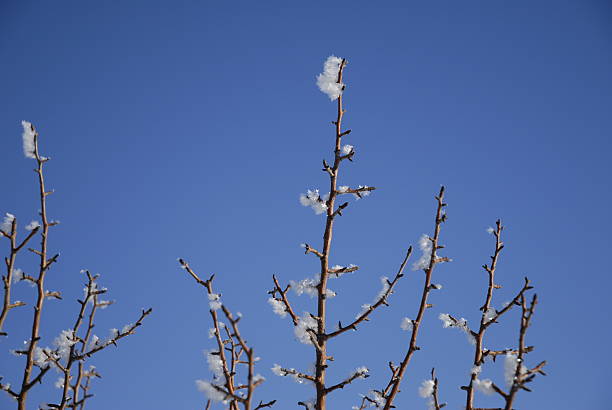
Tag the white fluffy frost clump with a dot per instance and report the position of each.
(484, 386)
(302, 330)
(327, 81)
(28, 139)
(386, 285)
(427, 388)
(278, 307)
(7, 223)
(64, 342)
(210, 391)
(407, 324)
(426, 246)
(215, 364)
(310, 286)
(317, 202)
(461, 324)
(510, 364)
(214, 301)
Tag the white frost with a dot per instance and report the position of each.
(364, 308)
(361, 372)
(215, 364)
(28, 139)
(17, 275)
(489, 314)
(32, 225)
(59, 383)
(214, 301)
(7, 223)
(278, 307)
(347, 149)
(426, 389)
(309, 287)
(64, 342)
(510, 364)
(277, 370)
(385, 288)
(313, 199)
(426, 246)
(485, 386)
(460, 324)
(302, 329)
(406, 324)
(361, 193)
(207, 388)
(327, 81)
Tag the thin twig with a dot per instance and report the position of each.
(390, 392)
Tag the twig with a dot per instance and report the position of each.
(381, 301)
(434, 396)
(237, 347)
(7, 280)
(390, 392)
(40, 281)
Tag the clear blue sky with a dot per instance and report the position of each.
(189, 128)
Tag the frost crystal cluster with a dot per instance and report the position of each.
(305, 324)
(7, 223)
(28, 139)
(278, 307)
(425, 245)
(406, 324)
(510, 364)
(328, 79)
(312, 199)
(484, 386)
(309, 286)
(214, 301)
(461, 324)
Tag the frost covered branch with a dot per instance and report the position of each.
(70, 348)
(381, 299)
(280, 303)
(359, 373)
(429, 391)
(224, 361)
(311, 328)
(298, 376)
(522, 375)
(490, 316)
(8, 229)
(384, 399)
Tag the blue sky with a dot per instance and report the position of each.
(189, 128)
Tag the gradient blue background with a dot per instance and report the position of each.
(189, 128)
